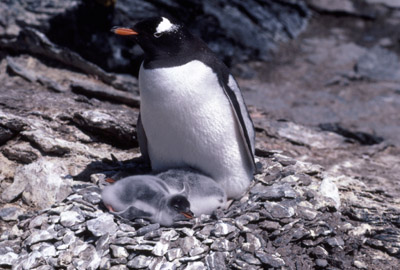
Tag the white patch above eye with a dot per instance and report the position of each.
(165, 26)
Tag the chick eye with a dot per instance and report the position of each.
(157, 35)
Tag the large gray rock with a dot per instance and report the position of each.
(41, 183)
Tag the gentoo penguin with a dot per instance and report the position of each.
(203, 193)
(146, 196)
(192, 112)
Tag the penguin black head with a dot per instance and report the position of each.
(161, 38)
(180, 205)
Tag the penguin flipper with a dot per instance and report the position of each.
(242, 116)
(132, 212)
(142, 139)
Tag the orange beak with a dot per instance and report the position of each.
(188, 215)
(110, 180)
(109, 207)
(122, 31)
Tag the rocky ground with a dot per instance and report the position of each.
(326, 110)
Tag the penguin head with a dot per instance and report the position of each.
(178, 207)
(158, 36)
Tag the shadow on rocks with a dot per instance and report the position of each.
(112, 168)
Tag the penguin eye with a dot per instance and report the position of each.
(157, 35)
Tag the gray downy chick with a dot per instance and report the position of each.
(204, 194)
(146, 196)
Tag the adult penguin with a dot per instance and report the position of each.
(192, 112)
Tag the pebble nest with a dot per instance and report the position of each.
(282, 222)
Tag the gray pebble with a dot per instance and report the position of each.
(102, 225)
(10, 213)
(140, 262)
(118, 252)
(71, 218)
(223, 245)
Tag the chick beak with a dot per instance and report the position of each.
(109, 207)
(189, 214)
(110, 180)
(122, 31)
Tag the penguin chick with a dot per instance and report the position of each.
(146, 196)
(203, 193)
(192, 113)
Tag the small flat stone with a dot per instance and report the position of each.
(223, 245)
(174, 254)
(191, 259)
(170, 235)
(319, 252)
(103, 243)
(335, 241)
(360, 264)
(279, 211)
(119, 252)
(92, 197)
(252, 243)
(188, 243)
(141, 247)
(223, 228)
(147, 229)
(47, 250)
(162, 263)
(124, 241)
(329, 189)
(39, 236)
(195, 266)
(307, 213)
(140, 262)
(249, 258)
(102, 225)
(205, 232)
(160, 248)
(8, 259)
(32, 261)
(71, 218)
(277, 191)
(321, 263)
(270, 260)
(119, 267)
(215, 260)
(10, 213)
(38, 221)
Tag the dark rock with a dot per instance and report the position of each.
(270, 260)
(250, 259)
(277, 191)
(147, 229)
(361, 137)
(102, 91)
(10, 213)
(107, 127)
(5, 135)
(21, 152)
(226, 29)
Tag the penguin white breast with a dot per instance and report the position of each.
(188, 121)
